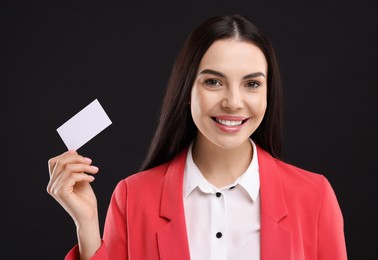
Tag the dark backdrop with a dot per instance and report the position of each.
(58, 56)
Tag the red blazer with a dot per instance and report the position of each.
(300, 215)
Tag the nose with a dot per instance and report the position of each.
(233, 98)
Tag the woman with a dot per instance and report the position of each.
(212, 185)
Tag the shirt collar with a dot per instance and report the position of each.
(193, 177)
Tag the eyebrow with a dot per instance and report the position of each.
(216, 73)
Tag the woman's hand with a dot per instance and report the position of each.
(70, 185)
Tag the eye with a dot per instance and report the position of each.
(212, 83)
(252, 85)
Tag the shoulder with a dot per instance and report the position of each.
(157, 174)
(311, 188)
(304, 190)
(293, 179)
(302, 181)
(143, 190)
(140, 189)
(288, 171)
(292, 172)
(150, 178)
(311, 193)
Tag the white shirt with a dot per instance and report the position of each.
(222, 223)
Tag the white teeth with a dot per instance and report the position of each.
(228, 122)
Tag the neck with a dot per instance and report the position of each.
(220, 166)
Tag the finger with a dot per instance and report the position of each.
(70, 169)
(70, 157)
(54, 169)
(80, 168)
(64, 172)
(52, 161)
(62, 188)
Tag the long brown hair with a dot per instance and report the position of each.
(176, 129)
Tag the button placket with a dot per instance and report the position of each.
(218, 220)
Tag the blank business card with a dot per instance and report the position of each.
(83, 126)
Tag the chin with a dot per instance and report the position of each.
(230, 143)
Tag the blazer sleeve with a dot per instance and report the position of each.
(114, 244)
(74, 254)
(331, 240)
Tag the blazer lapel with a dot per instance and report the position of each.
(172, 238)
(275, 239)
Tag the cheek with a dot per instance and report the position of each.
(258, 105)
(195, 103)
(263, 106)
(263, 101)
(198, 102)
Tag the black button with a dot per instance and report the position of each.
(219, 235)
(232, 187)
(218, 194)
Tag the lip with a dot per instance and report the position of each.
(230, 129)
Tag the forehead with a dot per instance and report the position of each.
(234, 56)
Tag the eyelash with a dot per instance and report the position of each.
(214, 83)
(255, 84)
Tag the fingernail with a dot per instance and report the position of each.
(87, 159)
(94, 167)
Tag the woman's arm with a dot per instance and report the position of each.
(70, 186)
(331, 240)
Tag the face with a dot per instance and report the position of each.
(228, 98)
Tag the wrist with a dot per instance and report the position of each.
(89, 238)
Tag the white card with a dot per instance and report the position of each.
(83, 126)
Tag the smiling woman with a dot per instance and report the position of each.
(212, 185)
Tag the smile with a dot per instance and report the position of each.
(229, 122)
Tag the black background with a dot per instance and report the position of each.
(58, 56)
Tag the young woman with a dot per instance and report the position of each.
(212, 185)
